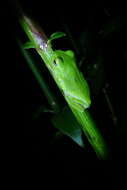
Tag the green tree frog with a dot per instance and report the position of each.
(61, 64)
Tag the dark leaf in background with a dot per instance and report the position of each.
(68, 125)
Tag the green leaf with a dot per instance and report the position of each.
(68, 125)
(28, 45)
(56, 35)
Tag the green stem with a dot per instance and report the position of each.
(92, 133)
(47, 92)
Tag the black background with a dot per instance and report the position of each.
(31, 151)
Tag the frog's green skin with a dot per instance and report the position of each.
(61, 64)
(70, 80)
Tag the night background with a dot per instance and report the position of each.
(97, 34)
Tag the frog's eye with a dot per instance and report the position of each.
(58, 60)
(55, 62)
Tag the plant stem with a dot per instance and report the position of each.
(92, 133)
(88, 126)
(47, 92)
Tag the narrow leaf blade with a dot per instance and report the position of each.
(56, 35)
